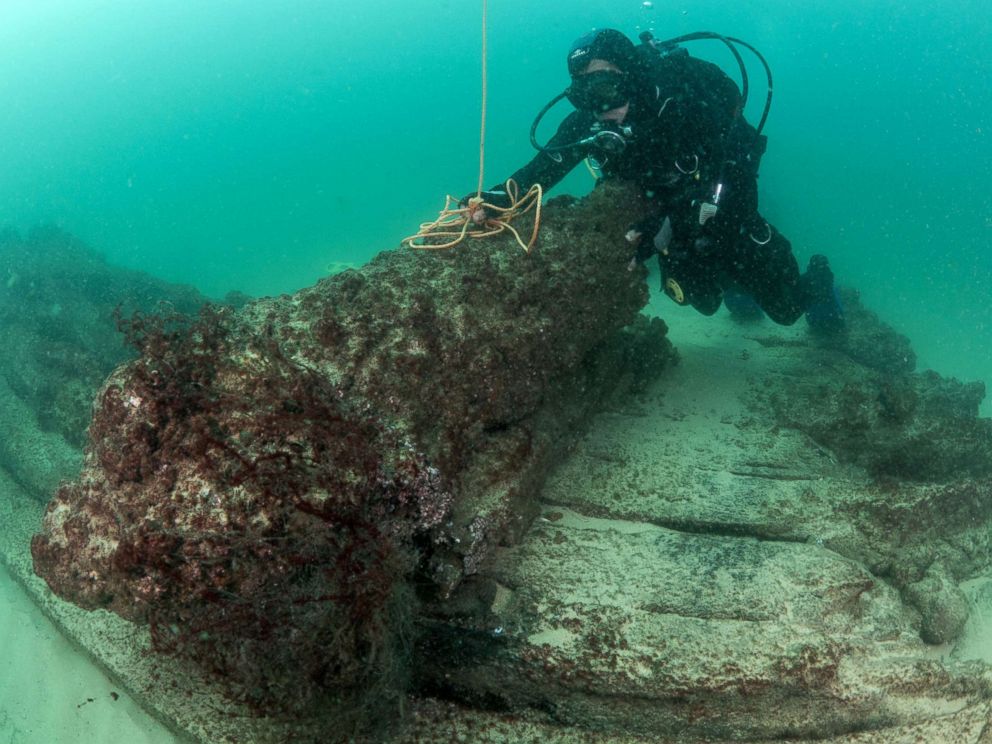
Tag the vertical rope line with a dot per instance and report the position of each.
(482, 128)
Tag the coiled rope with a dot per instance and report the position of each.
(476, 218)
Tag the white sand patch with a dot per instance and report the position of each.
(50, 693)
(976, 643)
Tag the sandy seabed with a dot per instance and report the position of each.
(51, 693)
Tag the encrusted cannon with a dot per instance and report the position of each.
(261, 485)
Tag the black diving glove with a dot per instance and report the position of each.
(649, 236)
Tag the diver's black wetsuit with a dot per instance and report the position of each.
(687, 136)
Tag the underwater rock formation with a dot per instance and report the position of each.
(260, 485)
(869, 341)
(877, 413)
(57, 298)
(245, 511)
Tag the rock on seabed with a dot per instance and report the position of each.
(261, 485)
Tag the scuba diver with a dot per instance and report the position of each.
(673, 124)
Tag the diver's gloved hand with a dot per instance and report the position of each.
(494, 197)
(649, 236)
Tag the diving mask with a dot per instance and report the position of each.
(600, 91)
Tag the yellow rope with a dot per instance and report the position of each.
(482, 126)
(456, 222)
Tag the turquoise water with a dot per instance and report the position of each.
(248, 145)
